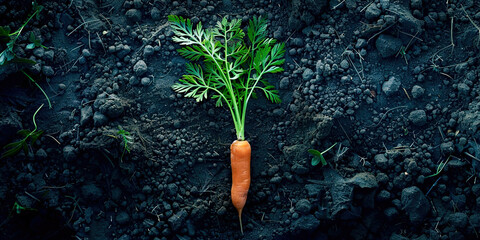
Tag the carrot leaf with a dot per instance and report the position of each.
(231, 67)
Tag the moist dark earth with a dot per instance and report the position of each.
(393, 83)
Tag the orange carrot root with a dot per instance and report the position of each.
(240, 155)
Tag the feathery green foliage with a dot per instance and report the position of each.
(233, 68)
(14, 148)
(126, 140)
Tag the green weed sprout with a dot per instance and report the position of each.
(41, 89)
(14, 148)
(17, 208)
(440, 168)
(318, 156)
(233, 68)
(8, 54)
(126, 138)
(35, 42)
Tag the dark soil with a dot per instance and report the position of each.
(394, 82)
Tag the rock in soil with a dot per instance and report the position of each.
(415, 204)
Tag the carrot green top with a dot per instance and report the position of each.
(233, 68)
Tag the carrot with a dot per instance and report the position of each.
(234, 69)
(240, 154)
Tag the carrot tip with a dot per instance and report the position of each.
(240, 219)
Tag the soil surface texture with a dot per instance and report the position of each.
(395, 83)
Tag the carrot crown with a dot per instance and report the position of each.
(233, 67)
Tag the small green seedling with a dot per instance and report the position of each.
(318, 156)
(17, 208)
(8, 55)
(34, 42)
(440, 168)
(127, 139)
(9, 39)
(14, 148)
(403, 53)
